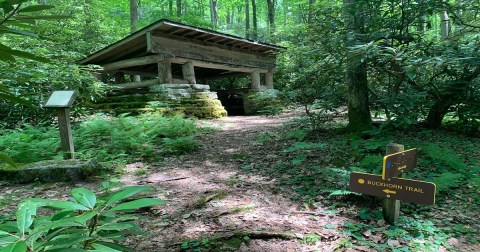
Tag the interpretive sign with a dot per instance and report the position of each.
(397, 163)
(61, 99)
(407, 190)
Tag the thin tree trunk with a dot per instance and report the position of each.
(179, 8)
(213, 13)
(134, 26)
(310, 11)
(271, 18)
(247, 19)
(444, 25)
(170, 7)
(254, 16)
(359, 118)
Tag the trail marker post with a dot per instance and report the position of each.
(61, 101)
(390, 186)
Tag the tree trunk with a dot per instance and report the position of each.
(271, 18)
(359, 118)
(134, 26)
(444, 25)
(87, 10)
(254, 16)
(437, 112)
(247, 19)
(310, 11)
(170, 7)
(133, 16)
(179, 8)
(213, 13)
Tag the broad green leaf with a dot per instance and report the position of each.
(18, 32)
(64, 205)
(85, 197)
(135, 204)
(103, 248)
(7, 57)
(8, 240)
(24, 215)
(125, 193)
(83, 218)
(19, 246)
(36, 8)
(27, 55)
(2, 233)
(7, 159)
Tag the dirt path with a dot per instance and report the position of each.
(211, 196)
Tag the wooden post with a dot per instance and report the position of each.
(269, 79)
(255, 80)
(188, 71)
(391, 207)
(164, 72)
(66, 139)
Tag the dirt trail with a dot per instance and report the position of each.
(211, 196)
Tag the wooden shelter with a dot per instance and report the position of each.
(168, 52)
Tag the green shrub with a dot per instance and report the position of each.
(263, 102)
(85, 222)
(30, 144)
(104, 138)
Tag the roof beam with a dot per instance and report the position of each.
(132, 62)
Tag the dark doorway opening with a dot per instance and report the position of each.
(232, 102)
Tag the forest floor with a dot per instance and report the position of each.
(212, 199)
(216, 202)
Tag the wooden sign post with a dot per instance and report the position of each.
(394, 188)
(62, 101)
(391, 207)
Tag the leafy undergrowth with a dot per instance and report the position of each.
(316, 165)
(107, 139)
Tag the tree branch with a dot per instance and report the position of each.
(11, 14)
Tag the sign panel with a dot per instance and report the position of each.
(397, 163)
(407, 190)
(61, 99)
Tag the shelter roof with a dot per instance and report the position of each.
(135, 45)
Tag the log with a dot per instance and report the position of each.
(132, 62)
(146, 83)
(215, 65)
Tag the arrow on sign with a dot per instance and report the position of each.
(388, 191)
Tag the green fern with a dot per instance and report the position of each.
(448, 180)
(444, 156)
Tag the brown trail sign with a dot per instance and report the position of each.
(397, 163)
(407, 190)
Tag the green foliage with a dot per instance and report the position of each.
(105, 139)
(86, 222)
(30, 144)
(263, 102)
(129, 137)
(448, 180)
(444, 157)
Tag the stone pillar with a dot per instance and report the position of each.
(164, 72)
(269, 79)
(119, 77)
(255, 80)
(188, 71)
